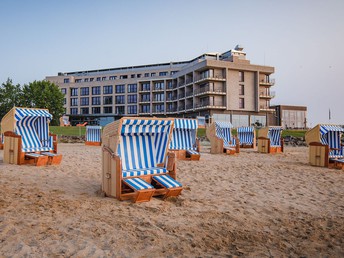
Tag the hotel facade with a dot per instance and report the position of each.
(223, 85)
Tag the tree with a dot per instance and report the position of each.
(44, 94)
(10, 96)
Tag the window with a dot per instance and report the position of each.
(123, 77)
(145, 97)
(84, 111)
(132, 88)
(107, 110)
(159, 86)
(162, 73)
(173, 72)
(146, 74)
(66, 80)
(132, 76)
(103, 78)
(112, 78)
(86, 80)
(98, 79)
(146, 109)
(138, 75)
(74, 91)
(159, 97)
(146, 86)
(96, 110)
(74, 111)
(107, 100)
(169, 85)
(64, 101)
(241, 89)
(120, 110)
(96, 101)
(63, 90)
(120, 99)
(91, 79)
(159, 108)
(74, 101)
(241, 103)
(77, 80)
(153, 74)
(84, 91)
(107, 89)
(241, 76)
(132, 98)
(84, 101)
(96, 90)
(132, 109)
(120, 88)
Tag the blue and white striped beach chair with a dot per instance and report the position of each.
(1, 141)
(184, 142)
(270, 139)
(135, 153)
(221, 138)
(247, 137)
(325, 148)
(27, 138)
(93, 135)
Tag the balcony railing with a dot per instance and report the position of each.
(269, 82)
(207, 89)
(181, 95)
(171, 110)
(188, 81)
(213, 78)
(188, 94)
(189, 106)
(268, 95)
(266, 108)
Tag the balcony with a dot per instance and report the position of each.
(171, 110)
(267, 95)
(181, 95)
(208, 90)
(266, 108)
(209, 105)
(144, 90)
(189, 94)
(265, 82)
(209, 78)
(189, 81)
(158, 100)
(145, 112)
(158, 89)
(144, 101)
(189, 107)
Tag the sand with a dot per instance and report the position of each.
(250, 204)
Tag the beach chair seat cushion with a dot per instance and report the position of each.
(144, 171)
(167, 181)
(33, 155)
(143, 191)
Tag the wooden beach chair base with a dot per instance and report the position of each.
(186, 155)
(229, 151)
(1, 146)
(93, 143)
(167, 185)
(53, 159)
(193, 155)
(36, 159)
(143, 192)
(275, 149)
(336, 163)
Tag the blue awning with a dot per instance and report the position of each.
(21, 113)
(324, 129)
(248, 129)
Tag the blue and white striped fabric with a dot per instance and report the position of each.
(2, 140)
(33, 126)
(184, 134)
(143, 172)
(167, 181)
(192, 152)
(143, 145)
(138, 183)
(93, 133)
(274, 135)
(331, 135)
(246, 135)
(223, 131)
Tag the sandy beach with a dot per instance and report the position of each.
(250, 204)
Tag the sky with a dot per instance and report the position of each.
(303, 40)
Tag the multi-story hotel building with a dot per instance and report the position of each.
(209, 85)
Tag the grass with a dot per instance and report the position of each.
(68, 130)
(81, 130)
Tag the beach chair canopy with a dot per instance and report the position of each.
(32, 125)
(93, 133)
(184, 134)
(143, 145)
(329, 135)
(274, 134)
(223, 131)
(246, 134)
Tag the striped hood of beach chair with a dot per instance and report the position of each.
(33, 126)
(143, 143)
(93, 133)
(184, 134)
(246, 134)
(274, 135)
(331, 135)
(224, 131)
